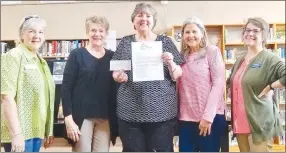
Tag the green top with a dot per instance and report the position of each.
(28, 78)
(262, 113)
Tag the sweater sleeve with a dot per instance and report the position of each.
(278, 70)
(69, 80)
(218, 82)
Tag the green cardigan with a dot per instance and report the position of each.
(262, 113)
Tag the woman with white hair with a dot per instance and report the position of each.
(27, 92)
(89, 92)
(201, 91)
(147, 110)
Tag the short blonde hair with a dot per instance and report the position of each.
(29, 22)
(96, 20)
(204, 40)
(262, 24)
(144, 7)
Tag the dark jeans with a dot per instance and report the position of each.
(191, 141)
(147, 137)
(31, 145)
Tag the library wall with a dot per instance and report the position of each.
(66, 21)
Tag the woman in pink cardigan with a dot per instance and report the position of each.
(201, 91)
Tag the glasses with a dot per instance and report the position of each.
(255, 31)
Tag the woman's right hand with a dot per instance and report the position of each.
(73, 131)
(18, 143)
(120, 76)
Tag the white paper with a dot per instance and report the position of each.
(120, 65)
(147, 61)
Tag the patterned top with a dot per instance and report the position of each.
(147, 101)
(22, 78)
(240, 121)
(201, 87)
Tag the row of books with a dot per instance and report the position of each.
(280, 52)
(230, 55)
(60, 48)
(51, 48)
(63, 48)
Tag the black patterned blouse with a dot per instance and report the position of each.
(147, 101)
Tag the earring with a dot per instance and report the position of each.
(201, 44)
(185, 47)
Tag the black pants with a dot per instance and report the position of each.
(147, 137)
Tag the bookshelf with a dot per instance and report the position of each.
(228, 37)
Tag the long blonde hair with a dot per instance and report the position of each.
(204, 41)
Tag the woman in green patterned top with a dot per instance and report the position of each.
(27, 92)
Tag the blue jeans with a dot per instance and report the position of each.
(31, 145)
(191, 141)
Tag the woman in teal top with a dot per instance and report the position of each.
(264, 71)
(27, 92)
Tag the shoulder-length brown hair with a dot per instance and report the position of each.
(262, 24)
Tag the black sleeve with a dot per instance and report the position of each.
(112, 104)
(119, 49)
(171, 47)
(69, 80)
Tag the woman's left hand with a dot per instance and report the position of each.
(167, 58)
(48, 141)
(265, 91)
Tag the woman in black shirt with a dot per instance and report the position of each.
(89, 91)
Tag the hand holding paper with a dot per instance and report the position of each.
(168, 58)
(120, 76)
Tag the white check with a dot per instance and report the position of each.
(116, 65)
(147, 63)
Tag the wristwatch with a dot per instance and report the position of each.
(271, 87)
